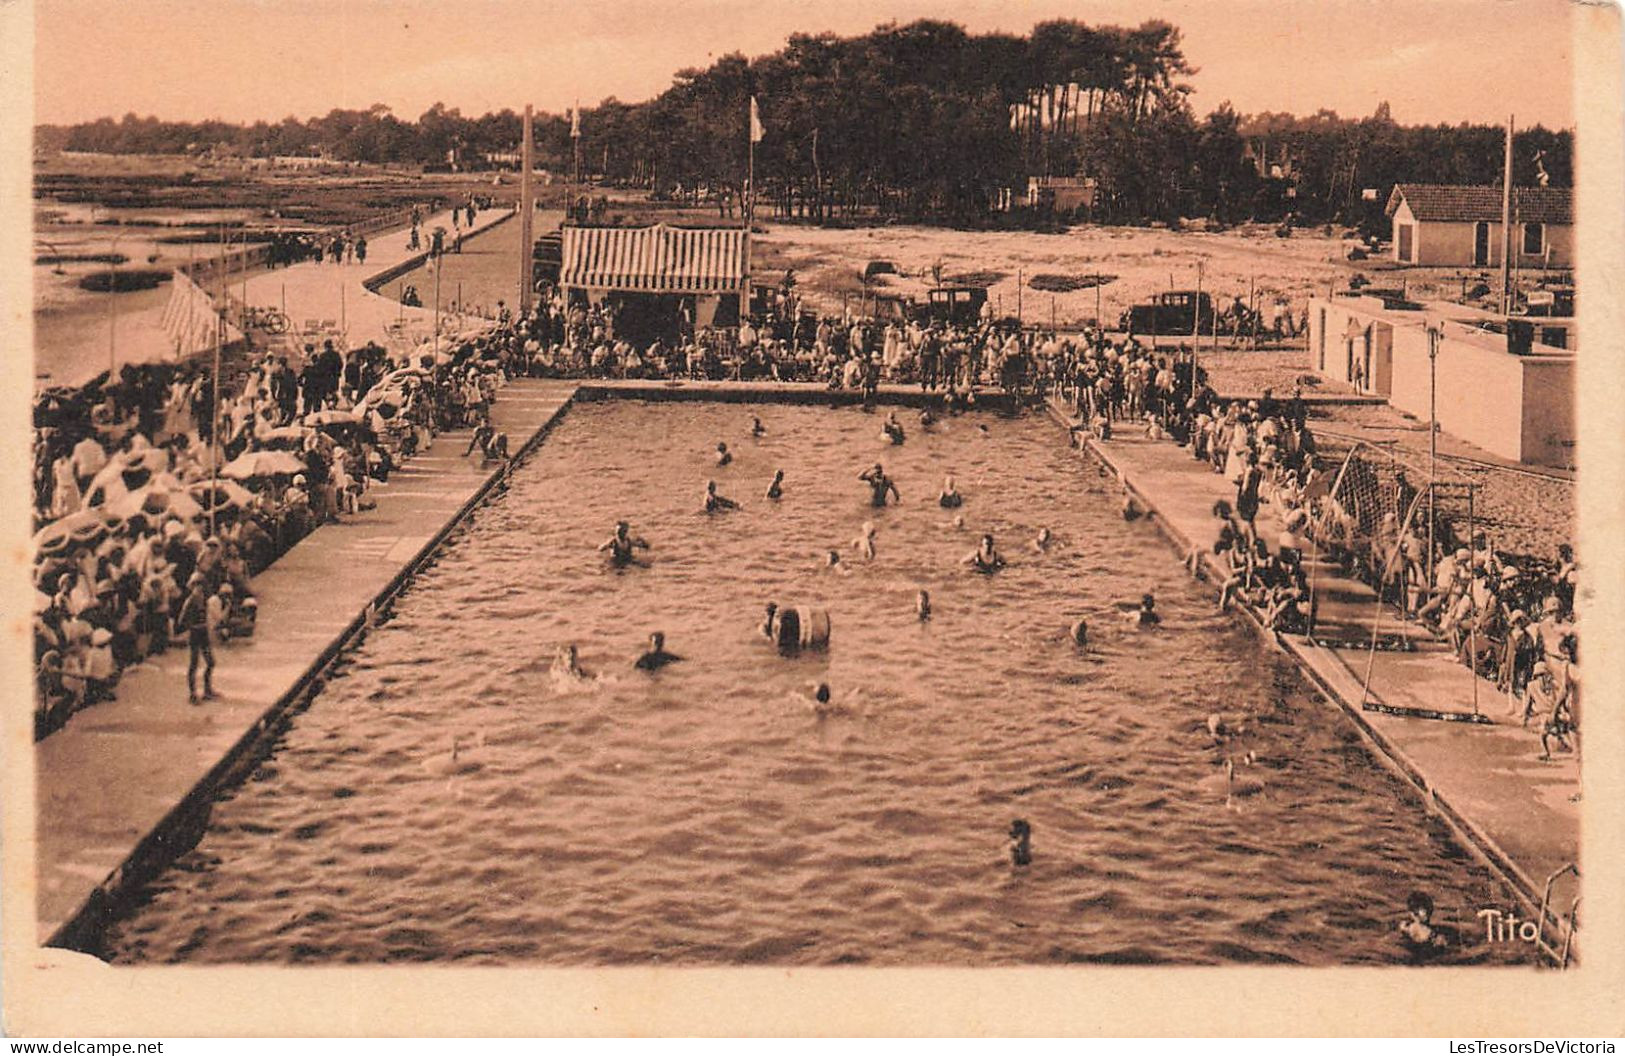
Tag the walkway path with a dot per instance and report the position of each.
(1522, 813)
(335, 297)
(110, 776)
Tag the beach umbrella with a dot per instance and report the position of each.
(252, 464)
(282, 437)
(330, 418)
(155, 499)
(221, 495)
(78, 528)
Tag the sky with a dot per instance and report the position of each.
(241, 60)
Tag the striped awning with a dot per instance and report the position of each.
(656, 259)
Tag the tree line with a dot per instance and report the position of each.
(927, 121)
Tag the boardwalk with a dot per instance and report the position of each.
(116, 770)
(1487, 776)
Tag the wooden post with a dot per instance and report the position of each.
(527, 216)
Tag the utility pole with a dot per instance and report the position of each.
(214, 403)
(1196, 329)
(1506, 225)
(1433, 439)
(527, 211)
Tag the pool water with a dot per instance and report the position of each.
(708, 814)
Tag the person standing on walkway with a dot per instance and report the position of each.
(193, 621)
(360, 249)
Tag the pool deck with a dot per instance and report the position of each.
(125, 786)
(1485, 779)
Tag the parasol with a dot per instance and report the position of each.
(251, 464)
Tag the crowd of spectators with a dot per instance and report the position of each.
(137, 506)
(123, 474)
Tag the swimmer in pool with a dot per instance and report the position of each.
(769, 620)
(927, 419)
(922, 605)
(724, 456)
(879, 485)
(656, 656)
(756, 426)
(865, 542)
(775, 490)
(1041, 544)
(949, 498)
(892, 428)
(568, 664)
(985, 558)
(621, 544)
(1080, 634)
(1146, 614)
(715, 503)
(832, 562)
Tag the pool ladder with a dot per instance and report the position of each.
(1559, 955)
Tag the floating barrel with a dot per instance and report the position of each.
(801, 628)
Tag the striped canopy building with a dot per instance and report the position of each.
(658, 259)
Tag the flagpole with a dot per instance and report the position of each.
(214, 409)
(527, 211)
(750, 166)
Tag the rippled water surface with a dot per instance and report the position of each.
(705, 814)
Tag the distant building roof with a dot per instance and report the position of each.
(656, 259)
(1435, 201)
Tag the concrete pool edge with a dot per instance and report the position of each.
(1323, 672)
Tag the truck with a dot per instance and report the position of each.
(1176, 313)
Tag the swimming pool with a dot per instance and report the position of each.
(705, 814)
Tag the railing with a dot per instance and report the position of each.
(1560, 956)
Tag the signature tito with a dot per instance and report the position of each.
(1506, 927)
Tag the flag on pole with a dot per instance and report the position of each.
(755, 122)
(575, 121)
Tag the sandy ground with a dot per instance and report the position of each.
(1141, 262)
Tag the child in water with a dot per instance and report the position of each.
(724, 456)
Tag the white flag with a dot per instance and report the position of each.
(575, 121)
(755, 122)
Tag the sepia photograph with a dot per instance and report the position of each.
(710, 485)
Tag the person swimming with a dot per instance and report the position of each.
(656, 656)
(756, 426)
(1146, 614)
(715, 503)
(985, 558)
(567, 664)
(949, 498)
(892, 429)
(879, 485)
(832, 562)
(769, 627)
(775, 490)
(1021, 842)
(922, 605)
(927, 419)
(865, 542)
(621, 544)
(1041, 544)
(1079, 633)
(724, 456)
